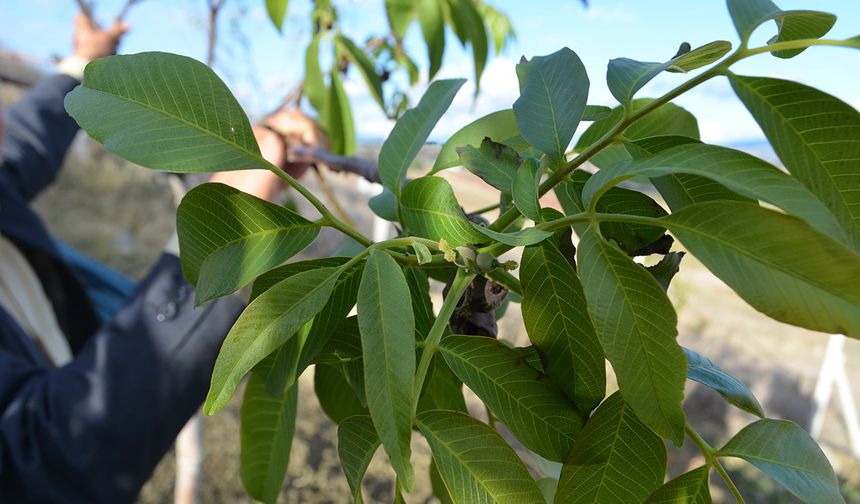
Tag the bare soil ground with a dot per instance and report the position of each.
(122, 215)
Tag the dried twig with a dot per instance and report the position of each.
(125, 8)
(214, 7)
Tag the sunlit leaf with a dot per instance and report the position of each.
(747, 15)
(462, 447)
(432, 22)
(411, 131)
(616, 459)
(777, 263)
(266, 324)
(553, 92)
(521, 238)
(626, 76)
(166, 112)
(786, 453)
(400, 14)
(498, 126)
(815, 136)
(227, 237)
(366, 67)
(277, 10)
(429, 209)
(739, 171)
(637, 327)
(387, 326)
(534, 410)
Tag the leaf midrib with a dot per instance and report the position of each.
(255, 156)
(260, 339)
(804, 146)
(516, 398)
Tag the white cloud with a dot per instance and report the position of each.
(609, 14)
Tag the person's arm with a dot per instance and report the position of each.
(38, 129)
(94, 430)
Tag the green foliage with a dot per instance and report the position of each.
(268, 425)
(227, 238)
(475, 462)
(400, 365)
(786, 453)
(387, 327)
(616, 458)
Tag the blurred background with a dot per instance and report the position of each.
(121, 214)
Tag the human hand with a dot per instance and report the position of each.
(296, 129)
(91, 41)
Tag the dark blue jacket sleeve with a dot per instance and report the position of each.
(38, 134)
(94, 430)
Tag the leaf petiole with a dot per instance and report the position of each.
(710, 455)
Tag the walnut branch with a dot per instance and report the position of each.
(362, 167)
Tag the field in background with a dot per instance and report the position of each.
(122, 215)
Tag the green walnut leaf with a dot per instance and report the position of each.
(557, 322)
(815, 136)
(702, 370)
(629, 236)
(387, 326)
(266, 324)
(366, 67)
(616, 459)
(534, 410)
(430, 209)
(553, 92)
(357, 441)
(747, 15)
(525, 189)
(411, 131)
(786, 453)
(777, 263)
(494, 163)
(314, 85)
(267, 428)
(227, 237)
(166, 112)
(667, 120)
(637, 327)
(277, 10)
(688, 488)
(463, 448)
(338, 117)
(626, 76)
(432, 21)
(739, 171)
(498, 126)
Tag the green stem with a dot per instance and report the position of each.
(630, 118)
(796, 44)
(711, 458)
(431, 343)
(328, 218)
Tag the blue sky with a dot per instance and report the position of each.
(261, 65)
